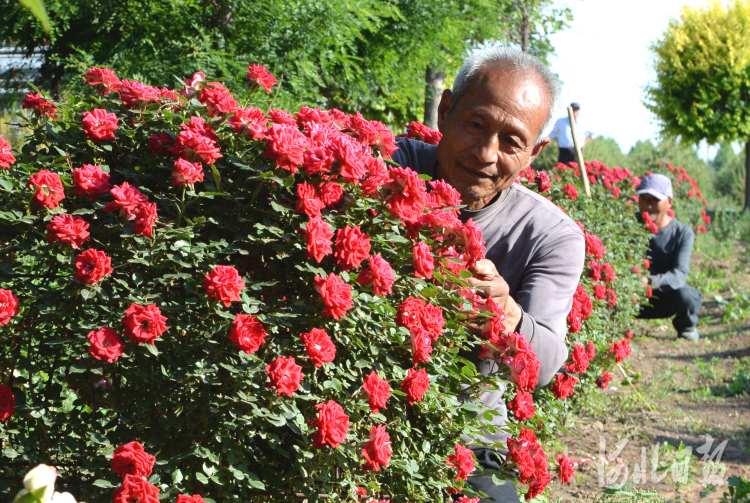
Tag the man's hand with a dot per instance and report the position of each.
(488, 283)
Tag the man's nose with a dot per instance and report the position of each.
(486, 149)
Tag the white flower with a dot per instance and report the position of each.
(42, 476)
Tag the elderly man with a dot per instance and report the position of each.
(493, 123)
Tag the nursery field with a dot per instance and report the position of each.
(679, 393)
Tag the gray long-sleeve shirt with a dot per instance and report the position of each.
(670, 251)
(538, 250)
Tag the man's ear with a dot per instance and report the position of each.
(538, 150)
(446, 102)
(671, 201)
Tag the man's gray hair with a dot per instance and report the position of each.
(517, 60)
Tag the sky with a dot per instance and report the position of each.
(604, 62)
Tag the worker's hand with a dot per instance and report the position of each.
(645, 280)
(488, 283)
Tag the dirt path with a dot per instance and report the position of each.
(677, 396)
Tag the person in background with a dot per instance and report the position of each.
(670, 250)
(561, 132)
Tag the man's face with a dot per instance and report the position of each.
(576, 113)
(489, 135)
(655, 207)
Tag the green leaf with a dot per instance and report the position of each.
(151, 349)
(465, 274)
(106, 484)
(217, 177)
(201, 478)
(176, 476)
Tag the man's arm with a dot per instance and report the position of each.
(546, 296)
(677, 277)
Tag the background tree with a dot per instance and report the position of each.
(374, 56)
(702, 88)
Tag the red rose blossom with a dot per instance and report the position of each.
(594, 246)
(224, 284)
(415, 385)
(135, 489)
(543, 183)
(259, 77)
(318, 235)
(377, 452)
(285, 375)
(611, 298)
(421, 344)
(91, 266)
(145, 219)
(332, 424)
(580, 360)
(352, 247)
(99, 125)
(249, 121)
(132, 459)
(603, 380)
(621, 349)
(186, 172)
(424, 262)
(524, 370)
(143, 323)
(136, 94)
(462, 460)
(379, 274)
(7, 402)
(6, 158)
(41, 106)
(48, 189)
(330, 193)
(418, 131)
(8, 306)
(105, 344)
(566, 468)
(128, 200)
(563, 385)
(247, 333)
(218, 100)
(319, 346)
(308, 201)
(197, 142)
(103, 79)
(91, 180)
(70, 230)
(378, 392)
(286, 146)
(195, 498)
(522, 406)
(443, 195)
(570, 191)
(337, 295)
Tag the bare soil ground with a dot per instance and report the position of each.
(676, 395)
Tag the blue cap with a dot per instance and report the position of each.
(657, 185)
(575, 105)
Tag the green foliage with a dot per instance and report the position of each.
(369, 56)
(738, 492)
(736, 309)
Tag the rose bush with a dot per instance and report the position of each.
(213, 299)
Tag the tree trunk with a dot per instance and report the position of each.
(747, 177)
(433, 89)
(525, 29)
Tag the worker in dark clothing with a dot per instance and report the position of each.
(670, 251)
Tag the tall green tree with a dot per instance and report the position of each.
(373, 55)
(702, 88)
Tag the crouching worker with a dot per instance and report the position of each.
(670, 250)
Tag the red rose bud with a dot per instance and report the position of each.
(106, 345)
(7, 401)
(91, 266)
(144, 323)
(224, 284)
(195, 498)
(415, 385)
(70, 230)
(132, 459)
(103, 79)
(332, 424)
(48, 189)
(377, 452)
(99, 125)
(563, 385)
(319, 346)
(462, 460)
(522, 406)
(285, 375)
(8, 306)
(378, 392)
(40, 106)
(247, 333)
